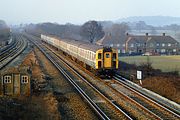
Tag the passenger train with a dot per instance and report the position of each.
(104, 60)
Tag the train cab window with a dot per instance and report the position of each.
(107, 55)
(24, 79)
(7, 79)
(114, 55)
(99, 55)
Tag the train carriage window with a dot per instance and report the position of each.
(107, 55)
(94, 56)
(83, 53)
(24, 79)
(91, 55)
(114, 55)
(86, 54)
(99, 55)
(7, 79)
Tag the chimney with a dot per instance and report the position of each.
(164, 34)
(146, 34)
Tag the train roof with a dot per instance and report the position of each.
(85, 45)
(91, 47)
(81, 44)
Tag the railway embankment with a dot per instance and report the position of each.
(165, 84)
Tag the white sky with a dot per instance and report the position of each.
(79, 11)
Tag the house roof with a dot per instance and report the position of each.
(158, 39)
(108, 39)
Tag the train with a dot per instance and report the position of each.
(103, 60)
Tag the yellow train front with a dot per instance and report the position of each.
(106, 61)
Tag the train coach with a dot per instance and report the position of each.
(104, 60)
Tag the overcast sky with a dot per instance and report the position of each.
(79, 11)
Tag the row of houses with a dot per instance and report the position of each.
(142, 44)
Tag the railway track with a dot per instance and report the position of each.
(5, 48)
(103, 106)
(133, 100)
(12, 51)
(159, 108)
(130, 101)
(147, 105)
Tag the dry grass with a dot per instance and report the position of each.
(168, 87)
(164, 63)
(32, 62)
(42, 106)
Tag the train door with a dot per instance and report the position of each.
(107, 59)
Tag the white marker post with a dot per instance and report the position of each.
(139, 76)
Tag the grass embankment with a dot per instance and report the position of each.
(164, 63)
(165, 84)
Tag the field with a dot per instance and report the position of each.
(165, 63)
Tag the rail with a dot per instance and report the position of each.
(164, 110)
(12, 52)
(85, 96)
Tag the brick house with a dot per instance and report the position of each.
(142, 44)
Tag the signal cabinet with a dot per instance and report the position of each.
(15, 84)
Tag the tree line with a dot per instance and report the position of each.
(90, 31)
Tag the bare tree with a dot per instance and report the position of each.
(178, 36)
(153, 31)
(174, 27)
(140, 25)
(4, 30)
(118, 30)
(92, 31)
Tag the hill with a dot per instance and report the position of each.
(152, 20)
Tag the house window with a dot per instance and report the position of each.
(169, 44)
(157, 44)
(163, 44)
(118, 45)
(151, 45)
(7, 79)
(119, 51)
(111, 45)
(24, 79)
(176, 44)
(163, 50)
(132, 45)
(123, 45)
(174, 50)
(138, 44)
